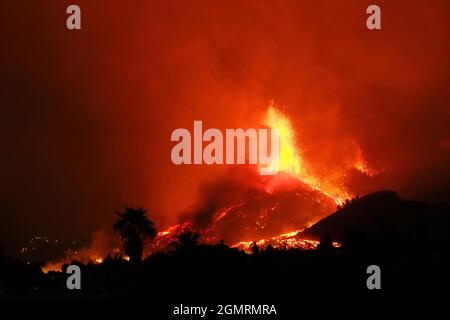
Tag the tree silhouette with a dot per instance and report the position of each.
(133, 226)
(326, 244)
(255, 248)
(187, 239)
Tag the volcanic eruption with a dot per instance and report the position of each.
(244, 207)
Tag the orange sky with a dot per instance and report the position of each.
(87, 115)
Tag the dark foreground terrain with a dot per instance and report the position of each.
(409, 241)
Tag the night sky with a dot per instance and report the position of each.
(86, 116)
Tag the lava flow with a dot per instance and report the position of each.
(291, 160)
(245, 207)
(260, 209)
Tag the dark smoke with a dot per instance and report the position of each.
(255, 213)
(86, 116)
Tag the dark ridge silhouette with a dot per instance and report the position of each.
(384, 219)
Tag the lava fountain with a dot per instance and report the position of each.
(246, 207)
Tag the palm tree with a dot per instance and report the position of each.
(133, 226)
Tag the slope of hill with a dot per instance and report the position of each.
(383, 217)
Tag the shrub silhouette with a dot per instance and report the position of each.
(133, 225)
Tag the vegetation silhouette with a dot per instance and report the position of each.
(133, 226)
(187, 239)
(408, 240)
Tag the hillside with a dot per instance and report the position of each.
(383, 217)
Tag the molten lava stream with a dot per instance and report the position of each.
(290, 160)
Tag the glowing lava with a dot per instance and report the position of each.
(291, 170)
(363, 166)
(294, 182)
(291, 160)
(290, 240)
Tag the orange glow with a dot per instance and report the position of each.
(363, 166)
(52, 267)
(171, 230)
(291, 160)
(290, 240)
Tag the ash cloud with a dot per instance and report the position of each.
(87, 116)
